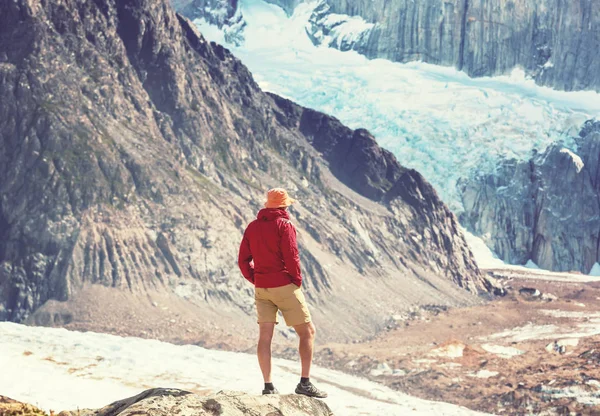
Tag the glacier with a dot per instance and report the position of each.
(434, 119)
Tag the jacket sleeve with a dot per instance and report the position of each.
(245, 260)
(289, 250)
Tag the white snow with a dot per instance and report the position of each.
(453, 350)
(484, 257)
(579, 393)
(530, 331)
(484, 374)
(59, 370)
(502, 351)
(434, 119)
(575, 158)
(344, 30)
(595, 270)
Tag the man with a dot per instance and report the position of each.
(268, 259)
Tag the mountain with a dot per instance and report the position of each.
(134, 153)
(546, 209)
(552, 40)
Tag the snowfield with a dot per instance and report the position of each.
(434, 119)
(63, 370)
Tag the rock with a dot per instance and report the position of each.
(495, 285)
(480, 37)
(568, 342)
(135, 152)
(224, 403)
(546, 209)
(10, 407)
(556, 347)
(530, 292)
(381, 369)
(549, 297)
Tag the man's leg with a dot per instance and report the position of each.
(263, 351)
(306, 332)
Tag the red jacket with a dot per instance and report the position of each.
(269, 253)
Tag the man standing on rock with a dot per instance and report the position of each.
(268, 259)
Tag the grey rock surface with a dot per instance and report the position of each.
(546, 209)
(554, 41)
(161, 401)
(133, 153)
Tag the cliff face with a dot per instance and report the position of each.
(554, 41)
(134, 153)
(546, 209)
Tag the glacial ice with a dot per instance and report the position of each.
(434, 119)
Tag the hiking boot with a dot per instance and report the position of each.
(270, 391)
(308, 389)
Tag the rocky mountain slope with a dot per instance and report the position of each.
(553, 40)
(134, 153)
(546, 209)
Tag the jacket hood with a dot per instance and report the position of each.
(271, 214)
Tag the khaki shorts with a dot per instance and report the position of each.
(289, 299)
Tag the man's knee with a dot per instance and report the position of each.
(306, 331)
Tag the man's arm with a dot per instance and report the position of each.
(289, 249)
(245, 260)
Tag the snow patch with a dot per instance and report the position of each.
(531, 265)
(595, 270)
(575, 158)
(502, 351)
(484, 374)
(484, 256)
(452, 350)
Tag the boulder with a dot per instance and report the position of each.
(162, 401)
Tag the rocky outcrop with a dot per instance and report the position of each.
(225, 403)
(173, 401)
(9, 407)
(553, 40)
(133, 153)
(546, 209)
